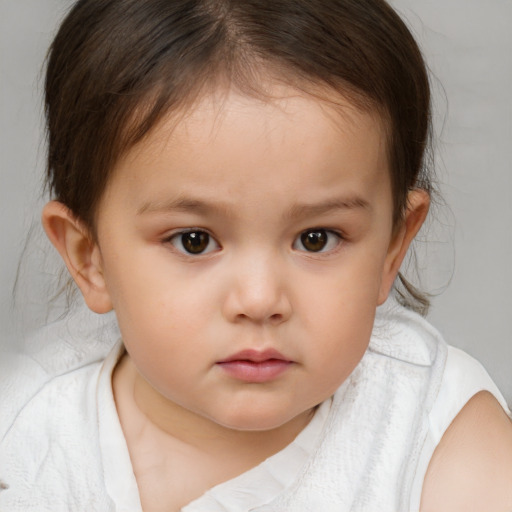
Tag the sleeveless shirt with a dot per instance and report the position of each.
(366, 449)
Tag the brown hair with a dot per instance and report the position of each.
(116, 67)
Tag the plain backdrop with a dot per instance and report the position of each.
(465, 253)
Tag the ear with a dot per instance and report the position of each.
(80, 254)
(418, 202)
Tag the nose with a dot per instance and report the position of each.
(257, 292)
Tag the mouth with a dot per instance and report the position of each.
(255, 366)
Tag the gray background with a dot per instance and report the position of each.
(465, 252)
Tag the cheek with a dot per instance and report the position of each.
(348, 291)
(147, 280)
(343, 329)
(156, 312)
(164, 340)
(340, 314)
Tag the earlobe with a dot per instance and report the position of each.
(80, 254)
(418, 203)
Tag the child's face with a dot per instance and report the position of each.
(250, 226)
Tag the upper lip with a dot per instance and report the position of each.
(255, 356)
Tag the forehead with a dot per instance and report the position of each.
(229, 141)
(313, 108)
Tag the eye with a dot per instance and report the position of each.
(317, 240)
(194, 242)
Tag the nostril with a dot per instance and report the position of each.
(275, 318)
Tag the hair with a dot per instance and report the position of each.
(117, 67)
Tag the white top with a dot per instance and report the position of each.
(367, 448)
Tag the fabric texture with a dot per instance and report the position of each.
(366, 449)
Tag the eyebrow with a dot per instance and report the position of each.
(183, 204)
(205, 207)
(324, 207)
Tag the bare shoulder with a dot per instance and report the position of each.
(471, 469)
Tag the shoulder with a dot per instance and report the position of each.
(36, 402)
(52, 365)
(21, 379)
(463, 377)
(42, 442)
(471, 468)
(33, 400)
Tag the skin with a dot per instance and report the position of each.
(254, 176)
(471, 469)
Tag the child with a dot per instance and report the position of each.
(240, 181)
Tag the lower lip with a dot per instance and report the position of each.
(250, 371)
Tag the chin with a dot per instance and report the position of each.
(256, 420)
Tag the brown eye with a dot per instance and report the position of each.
(194, 242)
(314, 241)
(317, 240)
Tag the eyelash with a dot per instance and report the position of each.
(331, 239)
(176, 240)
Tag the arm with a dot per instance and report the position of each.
(471, 469)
